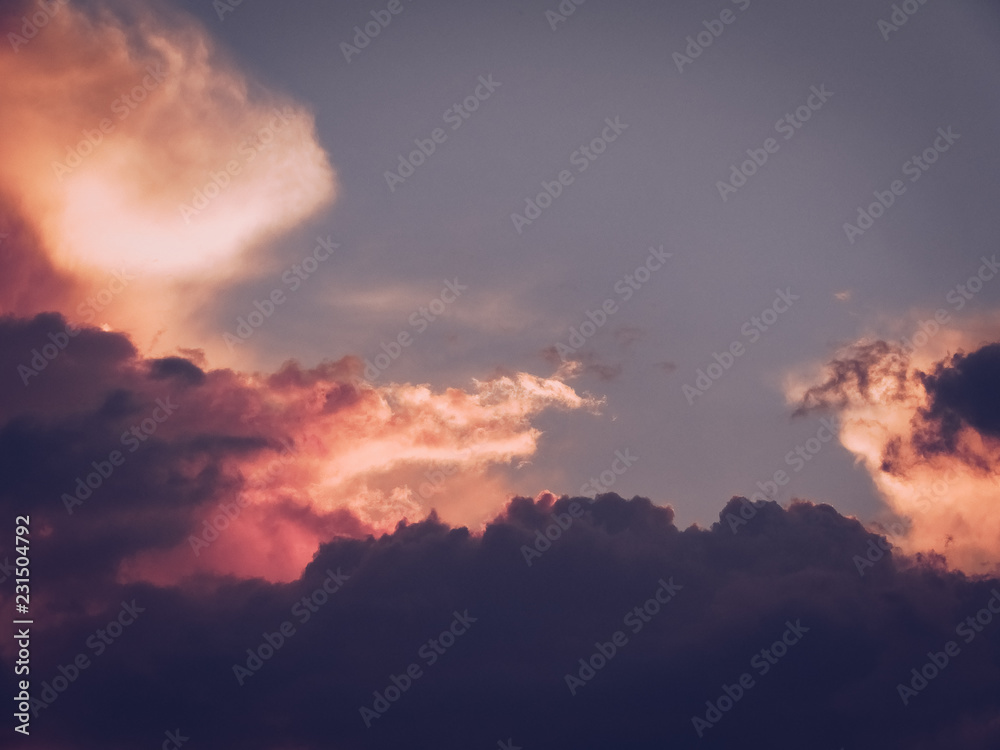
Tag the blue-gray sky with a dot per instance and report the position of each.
(655, 185)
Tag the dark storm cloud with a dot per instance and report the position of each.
(527, 626)
(169, 367)
(96, 414)
(113, 454)
(50, 367)
(965, 390)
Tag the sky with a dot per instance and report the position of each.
(384, 296)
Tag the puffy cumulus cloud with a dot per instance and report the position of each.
(925, 425)
(527, 627)
(241, 473)
(132, 143)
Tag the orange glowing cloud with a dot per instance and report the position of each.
(134, 146)
(348, 459)
(946, 496)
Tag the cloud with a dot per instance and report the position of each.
(589, 362)
(581, 363)
(926, 431)
(300, 455)
(504, 676)
(135, 144)
(964, 393)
